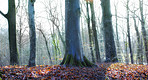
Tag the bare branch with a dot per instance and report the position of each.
(135, 13)
(3, 14)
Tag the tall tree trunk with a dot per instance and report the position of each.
(95, 32)
(110, 48)
(143, 29)
(139, 49)
(20, 42)
(32, 33)
(128, 33)
(11, 17)
(117, 36)
(74, 55)
(89, 32)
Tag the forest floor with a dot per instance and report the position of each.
(104, 71)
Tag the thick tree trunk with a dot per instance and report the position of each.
(32, 33)
(89, 32)
(128, 33)
(110, 48)
(74, 54)
(11, 17)
(95, 32)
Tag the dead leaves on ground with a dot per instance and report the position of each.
(123, 71)
(45, 72)
(109, 71)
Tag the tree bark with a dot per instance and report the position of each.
(128, 33)
(89, 32)
(95, 32)
(11, 17)
(74, 54)
(143, 29)
(117, 36)
(110, 48)
(139, 49)
(32, 33)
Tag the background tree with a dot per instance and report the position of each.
(117, 33)
(90, 32)
(74, 55)
(11, 17)
(110, 48)
(139, 48)
(142, 20)
(93, 20)
(32, 33)
(128, 33)
(46, 42)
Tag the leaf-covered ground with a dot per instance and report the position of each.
(108, 71)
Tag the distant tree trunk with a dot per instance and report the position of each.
(126, 51)
(11, 17)
(74, 55)
(143, 29)
(32, 33)
(110, 48)
(117, 36)
(139, 49)
(95, 32)
(20, 42)
(46, 45)
(128, 33)
(89, 32)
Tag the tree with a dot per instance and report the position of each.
(142, 20)
(89, 31)
(74, 55)
(128, 32)
(32, 33)
(110, 48)
(46, 42)
(139, 48)
(95, 31)
(117, 34)
(11, 17)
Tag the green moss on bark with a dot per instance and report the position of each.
(70, 60)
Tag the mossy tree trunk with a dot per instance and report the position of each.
(74, 54)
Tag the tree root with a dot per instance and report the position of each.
(69, 60)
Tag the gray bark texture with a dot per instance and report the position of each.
(90, 32)
(95, 32)
(110, 48)
(74, 54)
(32, 33)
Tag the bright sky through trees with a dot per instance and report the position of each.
(41, 14)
